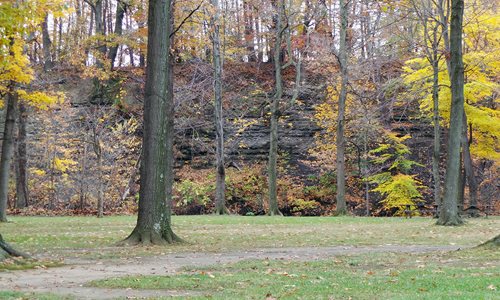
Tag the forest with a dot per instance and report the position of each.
(273, 107)
(263, 141)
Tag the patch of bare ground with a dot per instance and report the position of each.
(71, 279)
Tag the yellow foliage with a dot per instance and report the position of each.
(63, 164)
(482, 39)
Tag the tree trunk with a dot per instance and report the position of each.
(22, 193)
(220, 205)
(153, 221)
(469, 170)
(343, 60)
(449, 212)
(7, 149)
(273, 145)
(47, 44)
(99, 30)
(100, 188)
(120, 13)
(437, 133)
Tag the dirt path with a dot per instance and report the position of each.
(70, 279)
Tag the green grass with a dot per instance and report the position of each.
(9, 295)
(56, 237)
(13, 264)
(470, 274)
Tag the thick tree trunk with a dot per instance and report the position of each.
(47, 44)
(273, 145)
(7, 149)
(449, 212)
(22, 193)
(220, 184)
(343, 60)
(153, 221)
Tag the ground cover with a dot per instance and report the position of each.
(467, 274)
(89, 237)
(256, 257)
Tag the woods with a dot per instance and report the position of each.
(249, 107)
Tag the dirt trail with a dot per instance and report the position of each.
(70, 279)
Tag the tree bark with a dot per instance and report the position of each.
(469, 170)
(22, 192)
(220, 184)
(153, 221)
(343, 60)
(47, 44)
(273, 145)
(436, 153)
(120, 13)
(449, 212)
(7, 149)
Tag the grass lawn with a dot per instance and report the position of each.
(8, 295)
(469, 274)
(90, 237)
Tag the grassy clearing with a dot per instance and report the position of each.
(89, 237)
(470, 274)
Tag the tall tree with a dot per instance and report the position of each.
(273, 145)
(153, 221)
(449, 211)
(220, 187)
(343, 61)
(7, 149)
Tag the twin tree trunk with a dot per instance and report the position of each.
(220, 186)
(273, 145)
(341, 203)
(154, 217)
(449, 211)
(7, 149)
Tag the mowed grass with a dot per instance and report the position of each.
(10, 295)
(55, 237)
(469, 274)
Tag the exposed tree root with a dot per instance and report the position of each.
(275, 212)
(150, 237)
(6, 250)
(493, 243)
(450, 221)
(222, 211)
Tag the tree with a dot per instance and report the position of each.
(279, 6)
(343, 61)
(449, 211)
(220, 207)
(154, 220)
